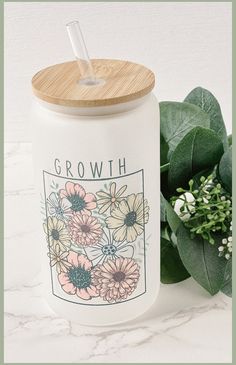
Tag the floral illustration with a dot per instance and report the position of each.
(85, 230)
(78, 277)
(57, 233)
(110, 200)
(108, 248)
(58, 258)
(80, 200)
(128, 218)
(60, 208)
(116, 279)
(94, 240)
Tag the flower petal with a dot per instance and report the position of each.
(123, 207)
(113, 189)
(91, 205)
(53, 199)
(60, 225)
(70, 188)
(63, 193)
(103, 194)
(72, 258)
(105, 207)
(50, 223)
(83, 294)
(65, 204)
(126, 250)
(120, 233)
(130, 201)
(89, 197)
(113, 223)
(131, 234)
(92, 291)
(84, 262)
(138, 201)
(79, 190)
(121, 191)
(138, 228)
(117, 213)
(63, 278)
(69, 288)
(45, 228)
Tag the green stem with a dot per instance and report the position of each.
(165, 167)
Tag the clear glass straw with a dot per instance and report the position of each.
(81, 53)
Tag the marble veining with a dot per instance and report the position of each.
(184, 325)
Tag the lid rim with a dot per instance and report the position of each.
(132, 81)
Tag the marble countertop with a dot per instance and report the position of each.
(184, 325)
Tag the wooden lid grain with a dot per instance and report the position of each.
(124, 81)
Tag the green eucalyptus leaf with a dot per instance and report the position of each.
(227, 283)
(172, 268)
(225, 170)
(230, 140)
(177, 119)
(164, 185)
(200, 149)
(205, 100)
(163, 208)
(172, 218)
(164, 148)
(165, 231)
(201, 260)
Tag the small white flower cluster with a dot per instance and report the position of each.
(226, 248)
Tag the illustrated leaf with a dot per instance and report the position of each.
(201, 260)
(172, 268)
(227, 283)
(205, 100)
(230, 140)
(225, 170)
(164, 148)
(177, 119)
(200, 149)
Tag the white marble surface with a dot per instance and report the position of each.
(185, 325)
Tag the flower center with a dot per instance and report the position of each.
(113, 200)
(55, 234)
(119, 276)
(109, 249)
(130, 219)
(59, 211)
(85, 228)
(77, 202)
(79, 277)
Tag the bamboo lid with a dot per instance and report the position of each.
(124, 81)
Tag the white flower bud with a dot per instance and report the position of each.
(183, 199)
(221, 248)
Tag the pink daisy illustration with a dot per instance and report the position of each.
(77, 280)
(80, 200)
(85, 230)
(115, 280)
